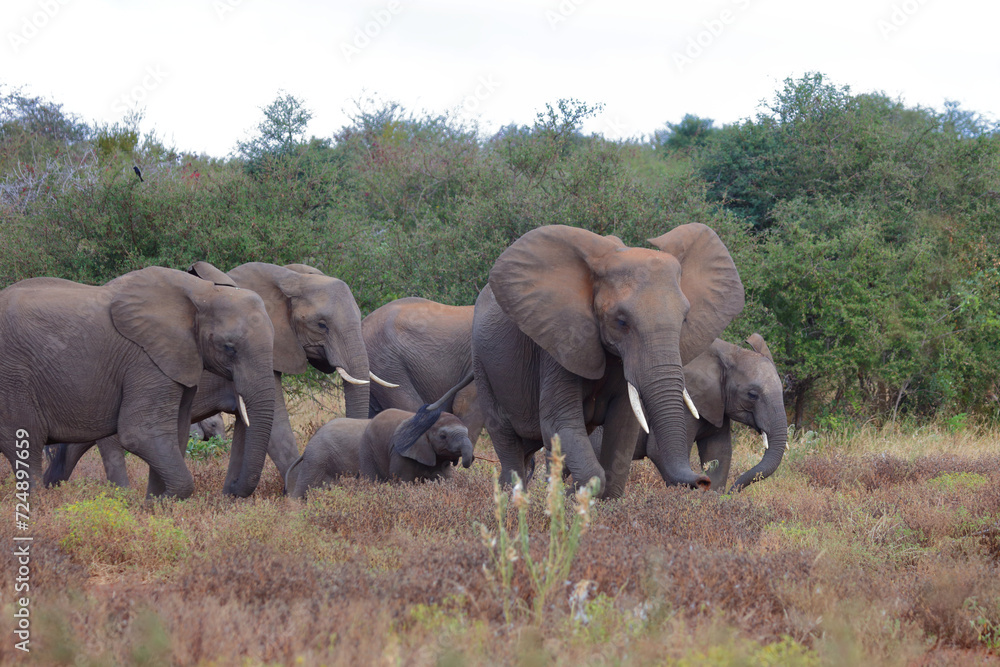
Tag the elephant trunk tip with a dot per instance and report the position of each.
(702, 482)
(241, 489)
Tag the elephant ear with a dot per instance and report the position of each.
(276, 285)
(155, 308)
(422, 452)
(710, 282)
(703, 377)
(304, 268)
(209, 272)
(756, 341)
(544, 284)
(410, 437)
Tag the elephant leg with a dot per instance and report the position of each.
(151, 427)
(63, 459)
(529, 461)
(717, 447)
(467, 408)
(282, 447)
(561, 413)
(113, 458)
(621, 430)
(510, 450)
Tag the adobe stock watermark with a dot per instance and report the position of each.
(34, 23)
(712, 30)
(562, 12)
(486, 86)
(22, 542)
(153, 77)
(899, 16)
(364, 34)
(616, 128)
(224, 7)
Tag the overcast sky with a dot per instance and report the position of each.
(201, 69)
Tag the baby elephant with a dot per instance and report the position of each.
(373, 448)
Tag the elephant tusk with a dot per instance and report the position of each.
(348, 378)
(633, 398)
(690, 404)
(243, 411)
(765, 438)
(382, 382)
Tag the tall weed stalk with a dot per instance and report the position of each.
(547, 574)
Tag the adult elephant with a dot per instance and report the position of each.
(730, 383)
(576, 330)
(316, 322)
(426, 348)
(81, 363)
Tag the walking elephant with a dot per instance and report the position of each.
(729, 383)
(374, 448)
(426, 348)
(316, 321)
(576, 330)
(81, 363)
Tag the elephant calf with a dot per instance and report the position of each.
(371, 448)
(208, 428)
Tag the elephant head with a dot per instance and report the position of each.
(743, 385)
(186, 325)
(447, 440)
(584, 298)
(316, 321)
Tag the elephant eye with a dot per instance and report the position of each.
(753, 395)
(228, 347)
(622, 324)
(322, 325)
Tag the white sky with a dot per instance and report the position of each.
(202, 69)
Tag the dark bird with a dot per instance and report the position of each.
(137, 173)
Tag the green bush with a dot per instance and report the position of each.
(864, 230)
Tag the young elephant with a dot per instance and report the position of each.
(729, 383)
(208, 428)
(372, 448)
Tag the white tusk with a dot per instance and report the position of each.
(633, 398)
(382, 382)
(347, 377)
(765, 439)
(690, 404)
(243, 411)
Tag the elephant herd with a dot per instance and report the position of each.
(612, 348)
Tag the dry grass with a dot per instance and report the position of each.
(879, 548)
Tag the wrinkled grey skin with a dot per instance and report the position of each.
(570, 318)
(96, 361)
(367, 447)
(729, 383)
(426, 348)
(316, 322)
(209, 428)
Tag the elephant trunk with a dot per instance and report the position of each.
(775, 431)
(667, 414)
(467, 453)
(258, 395)
(353, 358)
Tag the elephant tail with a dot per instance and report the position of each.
(291, 476)
(56, 472)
